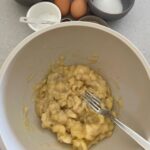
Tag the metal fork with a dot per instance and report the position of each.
(95, 103)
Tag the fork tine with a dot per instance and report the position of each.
(93, 97)
(96, 109)
(90, 98)
(91, 103)
(93, 107)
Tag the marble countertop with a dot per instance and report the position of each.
(135, 26)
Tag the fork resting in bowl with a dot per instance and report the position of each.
(95, 103)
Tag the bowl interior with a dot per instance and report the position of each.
(77, 42)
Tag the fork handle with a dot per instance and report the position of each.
(139, 139)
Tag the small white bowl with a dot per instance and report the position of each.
(43, 11)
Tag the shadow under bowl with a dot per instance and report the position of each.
(94, 19)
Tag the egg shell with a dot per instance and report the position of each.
(79, 8)
(64, 6)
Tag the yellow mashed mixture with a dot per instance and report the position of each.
(61, 108)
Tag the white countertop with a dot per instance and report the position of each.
(135, 26)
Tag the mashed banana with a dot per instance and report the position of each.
(60, 106)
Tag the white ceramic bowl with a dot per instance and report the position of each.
(119, 61)
(43, 11)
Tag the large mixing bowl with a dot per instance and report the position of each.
(118, 60)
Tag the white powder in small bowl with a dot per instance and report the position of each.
(109, 6)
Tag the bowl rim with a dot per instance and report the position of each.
(5, 130)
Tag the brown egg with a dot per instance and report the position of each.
(64, 6)
(78, 8)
